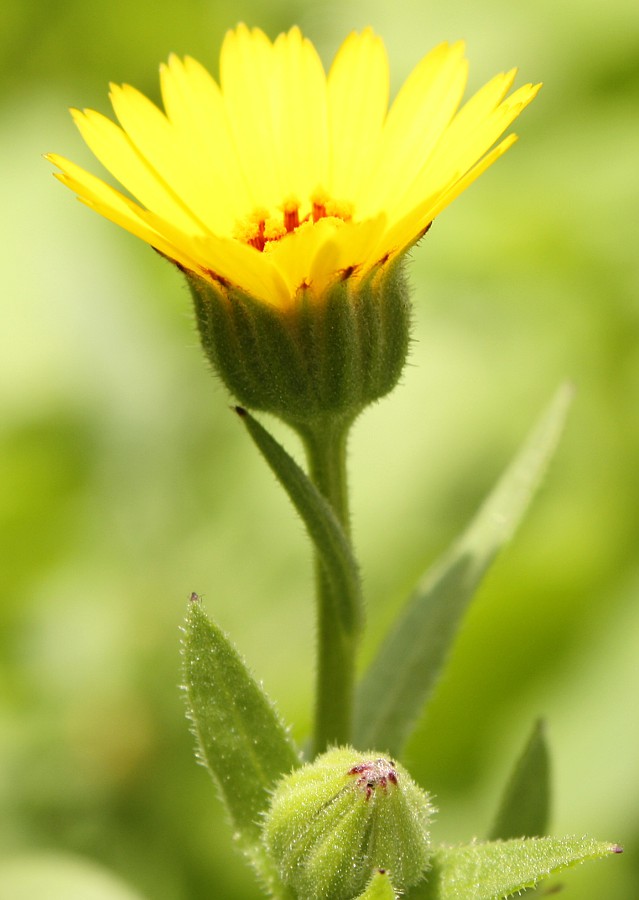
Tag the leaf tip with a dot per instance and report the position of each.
(568, 388)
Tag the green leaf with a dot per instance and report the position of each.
(525, 806)
(493, 871)
(379, 888)
(324, 529)
(241, 739)
(400, 679)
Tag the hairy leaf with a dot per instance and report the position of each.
(241, 739)
(322, 525)
(493, 871)
(525, 806)
(400, 679)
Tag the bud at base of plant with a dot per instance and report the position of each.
(321, 358)
(334, 821)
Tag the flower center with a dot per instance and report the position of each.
(373, 774)
(263, 228)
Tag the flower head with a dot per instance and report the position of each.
(283, 178)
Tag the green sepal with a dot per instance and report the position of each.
(501, 869)
(401, 677)
(321, 358)
(240, 738)
(379, 888)
(524, 810)
(332, 545)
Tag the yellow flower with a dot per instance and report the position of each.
(283, 177)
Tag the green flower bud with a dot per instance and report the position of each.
(323, 357)
(336, 820)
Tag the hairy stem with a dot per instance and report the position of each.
(337, 645)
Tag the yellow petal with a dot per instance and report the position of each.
(118, 155)
(471, 135)
(243, 266)
(299, 117)
(461, 147)
(466, 180)
(294, 254)
(474, 112)
(119, 209)
(195, 106)
(358, 85)
(423, 109)
(246, 75)
(350, 249)
(315, 255)
(169, 153)
(409, 229)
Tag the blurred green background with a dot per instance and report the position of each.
(127, 484)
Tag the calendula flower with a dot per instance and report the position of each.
(282, 178)
(288, 198)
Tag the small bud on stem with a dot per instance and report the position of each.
(334, 821)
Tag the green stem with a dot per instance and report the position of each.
(337, 645)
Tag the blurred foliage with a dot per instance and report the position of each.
(126, 484)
